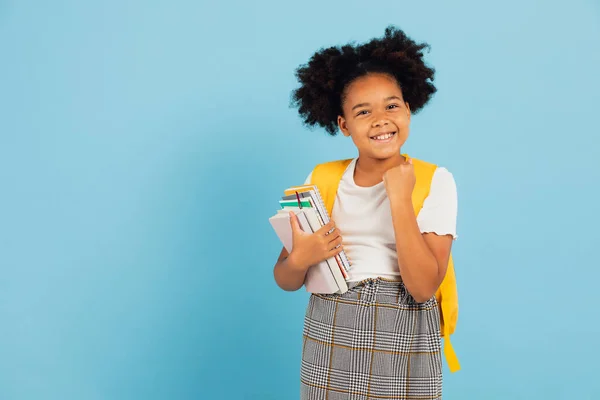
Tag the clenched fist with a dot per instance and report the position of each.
(400, 181)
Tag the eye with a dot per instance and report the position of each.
(361, 112)
(393, 105)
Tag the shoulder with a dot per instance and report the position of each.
(328, 168)
(334, 166)
(442, 190)
(440, 208)
(443, 180)
(308, 178)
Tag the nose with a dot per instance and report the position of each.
(379, 119)
(379, 122)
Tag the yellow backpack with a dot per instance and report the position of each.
(327, 176)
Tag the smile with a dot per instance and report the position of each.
(384, 137)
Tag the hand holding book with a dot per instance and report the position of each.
(311, 248)
(312, 240)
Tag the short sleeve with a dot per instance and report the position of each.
(308, 178)
(440, 208)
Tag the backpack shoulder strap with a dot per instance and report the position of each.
(424, 174)
(446, 294)
(326, 177)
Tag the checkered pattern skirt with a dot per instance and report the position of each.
(372, 342)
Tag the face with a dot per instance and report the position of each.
(376, 116)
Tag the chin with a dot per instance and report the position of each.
(384, 155)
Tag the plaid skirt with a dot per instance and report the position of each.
(372, 342)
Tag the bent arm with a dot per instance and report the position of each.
(288, 274)
(422, 258)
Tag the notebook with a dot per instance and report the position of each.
(312, 194)
(329, 276)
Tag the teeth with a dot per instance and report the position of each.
(383, 137)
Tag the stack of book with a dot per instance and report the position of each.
(329, 276)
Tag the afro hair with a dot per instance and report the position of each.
(329, 71)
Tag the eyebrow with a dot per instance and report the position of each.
(386, 99)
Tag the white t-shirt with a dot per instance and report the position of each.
(364, 218)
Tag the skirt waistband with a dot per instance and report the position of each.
(379, 280)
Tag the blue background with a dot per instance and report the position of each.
(144, 144)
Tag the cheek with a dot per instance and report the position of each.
(403, 123)
(361, 126)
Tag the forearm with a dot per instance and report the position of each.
(289, 275)
(418, 266)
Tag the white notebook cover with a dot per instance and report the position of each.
(319, 278)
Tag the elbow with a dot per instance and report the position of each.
(284, 282)
(420, 293)
(425, 290)
(288, 287)
(422, 296)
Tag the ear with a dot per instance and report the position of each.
(343, 126)
(408, 110)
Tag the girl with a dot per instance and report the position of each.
(380, 339)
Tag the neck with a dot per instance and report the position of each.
(377, 167)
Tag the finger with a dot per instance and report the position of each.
(333, 235)
(327, 228)
(336, 250)
(294, 221)
(335, 243)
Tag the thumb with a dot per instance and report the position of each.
(294, 222)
